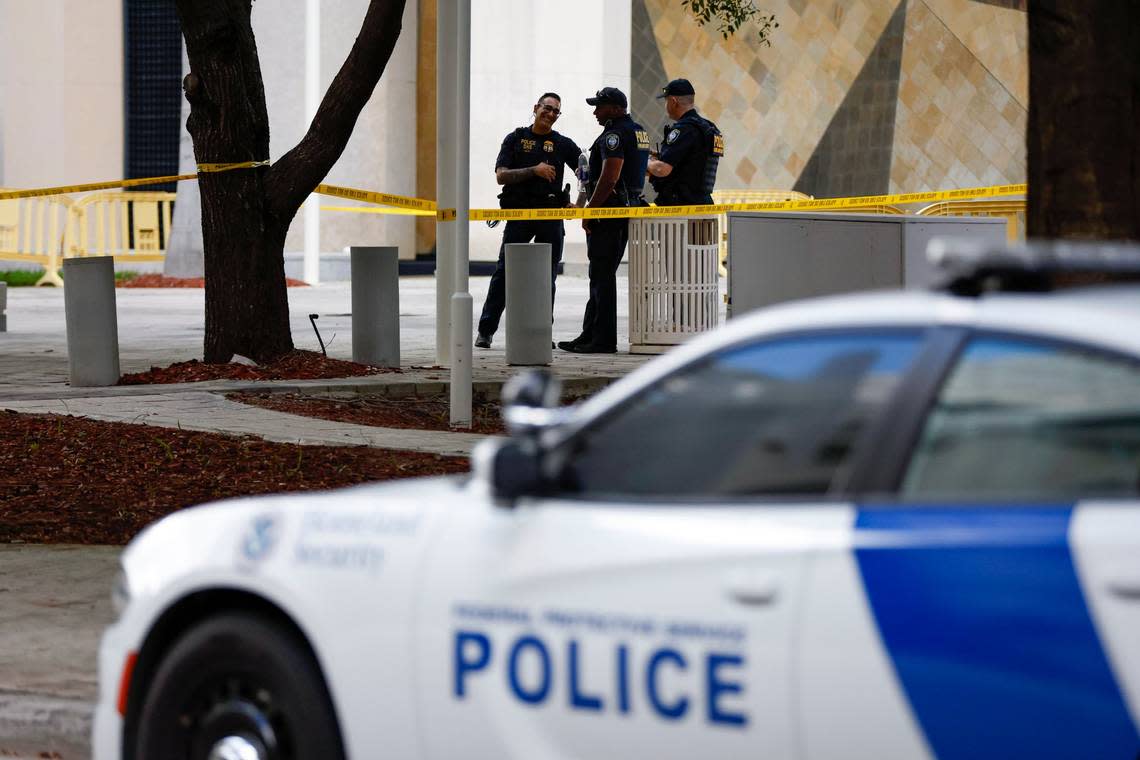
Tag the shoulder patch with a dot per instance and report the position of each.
(612, 140)
(672, 136)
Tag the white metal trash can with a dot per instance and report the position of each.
(673, 281)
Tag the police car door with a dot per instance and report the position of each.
(992, 609)
(649, 609)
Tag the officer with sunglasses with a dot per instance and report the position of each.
(530, 167)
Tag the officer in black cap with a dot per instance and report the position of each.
(618, 160)
(685, 171)
(530, 168)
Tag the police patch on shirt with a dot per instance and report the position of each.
(548, 146)
(672, 136)
(528, 145)
(612, 141)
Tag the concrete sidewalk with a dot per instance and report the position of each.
(56, 600)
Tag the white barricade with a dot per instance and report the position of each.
(673, 288)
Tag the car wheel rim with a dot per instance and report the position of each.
(238, 748)
(237, 722)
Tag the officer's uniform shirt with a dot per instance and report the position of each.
(688, 150)
(523, 148)
(622, 138)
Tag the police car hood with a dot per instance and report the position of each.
(215, 540)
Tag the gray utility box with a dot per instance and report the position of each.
(775, 257)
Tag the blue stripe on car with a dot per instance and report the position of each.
(983, 617)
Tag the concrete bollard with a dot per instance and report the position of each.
(528, 303)
(375, 305)
(92, 324)
(3, 307)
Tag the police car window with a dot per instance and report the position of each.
(780, 417)
(1025, 420)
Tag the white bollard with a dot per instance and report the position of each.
(3, 307)
(528, 303)
(375, 305)
(92, 324)
(462, 310)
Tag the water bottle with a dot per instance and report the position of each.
(583, 172)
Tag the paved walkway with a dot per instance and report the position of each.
(55, 600)
(211, 412)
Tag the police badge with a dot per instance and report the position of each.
(672, 136)
(548, 146)
(612, 140)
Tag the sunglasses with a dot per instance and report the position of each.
(549, 109)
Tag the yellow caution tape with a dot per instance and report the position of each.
(209, 168)
(374, 210)
(381, 199)
(120, 183)
(64, 189)
(486, 214)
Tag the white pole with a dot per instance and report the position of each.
(444, 176)
(312, 268)
(461, 302)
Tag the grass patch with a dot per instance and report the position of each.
(26, 278)
(20, 278)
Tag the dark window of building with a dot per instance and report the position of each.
(152, 44)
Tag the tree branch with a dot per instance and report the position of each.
(299, 171)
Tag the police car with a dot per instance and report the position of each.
(889, 525)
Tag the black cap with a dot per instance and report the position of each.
(608, 96)
(677, 87)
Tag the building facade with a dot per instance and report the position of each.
(851, 97)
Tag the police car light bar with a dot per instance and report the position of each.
(971, 269)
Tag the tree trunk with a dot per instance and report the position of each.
(1084, 119)
(246, 212)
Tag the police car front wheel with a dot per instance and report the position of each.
(238, 687)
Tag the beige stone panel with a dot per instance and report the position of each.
(998, 37)
(956, 124)
(814, 58)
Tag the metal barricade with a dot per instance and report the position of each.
(129, 226)
(33, 230)
(673, 281)
(1013, 211)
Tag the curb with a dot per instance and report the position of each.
(358, 386)
(36, 724)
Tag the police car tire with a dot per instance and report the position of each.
(250, 650)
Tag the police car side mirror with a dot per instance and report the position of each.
(530, 402)
(508, 467)
(516, 469)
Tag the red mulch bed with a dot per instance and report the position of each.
(161, 281)
(296, 365)
(74, 480)
(409, 412)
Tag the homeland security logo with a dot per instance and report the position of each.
(673, 135)
(259, 540)
(548, 146)
(612, 140)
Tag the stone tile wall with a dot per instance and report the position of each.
(852, 96)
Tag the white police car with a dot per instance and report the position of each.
(896, 525)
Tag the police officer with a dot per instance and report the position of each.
(617, 177)
(530, 167)
(685, 171)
